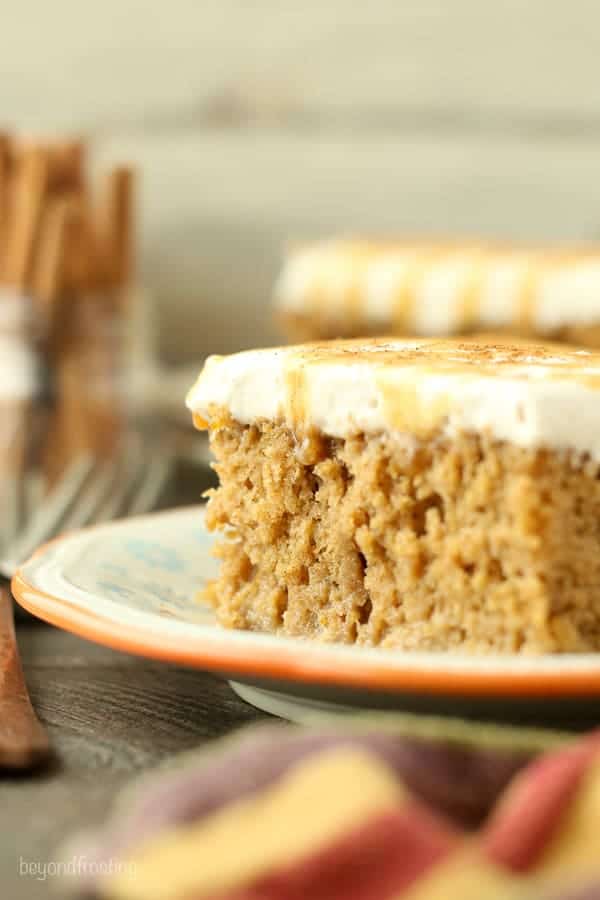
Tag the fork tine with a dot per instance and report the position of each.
(13, 459)
(129, 484)
(12, 511)
(156, 476)
(48, 519)
(128, 475)
(90, 501)
(34, 493)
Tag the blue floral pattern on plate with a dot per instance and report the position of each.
(151, 570)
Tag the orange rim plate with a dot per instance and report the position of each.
(135, 586)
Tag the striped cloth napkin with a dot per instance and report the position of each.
(358, 810)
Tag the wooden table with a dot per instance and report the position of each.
(109, 716)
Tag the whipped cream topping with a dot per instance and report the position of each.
(439, 289)
(18, 365)
(529, 394)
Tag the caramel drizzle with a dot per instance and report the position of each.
(354, 299)
(405, 299)
(357, 296)
(471, 291)
(296, 405)
(528, 294)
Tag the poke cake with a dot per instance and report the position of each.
(352, 288)
(422, 494)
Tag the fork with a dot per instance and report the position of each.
(88, 493)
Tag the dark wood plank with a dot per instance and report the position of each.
(109, 716)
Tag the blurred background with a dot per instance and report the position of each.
(258, 123)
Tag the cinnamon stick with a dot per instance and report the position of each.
(46, 278)
(27, 201)
(79, 250)
(118, 227)
(5, 153)
(67, 162)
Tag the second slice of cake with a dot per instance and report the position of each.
(356, 287)
(418, 494)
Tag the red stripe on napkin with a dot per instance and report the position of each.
(532, 808)
(373, 862)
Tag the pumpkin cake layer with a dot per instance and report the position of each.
(350, 288)
(426, 495)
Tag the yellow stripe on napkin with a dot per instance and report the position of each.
(465, 876)
(320, 800)
(575, 847)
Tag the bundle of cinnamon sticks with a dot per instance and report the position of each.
(56, 239)
(68, 250)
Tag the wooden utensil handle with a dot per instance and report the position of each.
(23, 740)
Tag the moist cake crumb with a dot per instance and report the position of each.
(466, 543)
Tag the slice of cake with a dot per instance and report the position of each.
(353, 288)
(416, 494)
